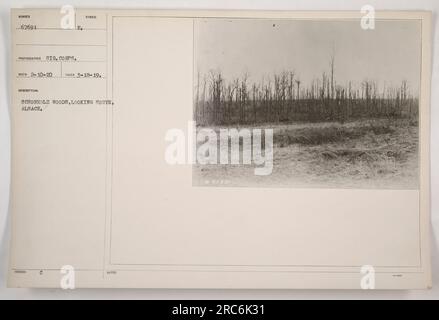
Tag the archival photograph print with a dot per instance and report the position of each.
(306, 103)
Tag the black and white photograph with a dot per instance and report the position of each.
(233, 152)
(341, 100)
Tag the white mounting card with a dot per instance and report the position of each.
(220, 149)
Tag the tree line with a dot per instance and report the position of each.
(283, 98)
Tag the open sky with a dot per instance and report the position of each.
(389, 54)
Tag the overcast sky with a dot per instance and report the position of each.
(390, 53)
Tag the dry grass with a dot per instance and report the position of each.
(360, 154)
(328, 134)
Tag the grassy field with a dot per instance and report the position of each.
(377, 153)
